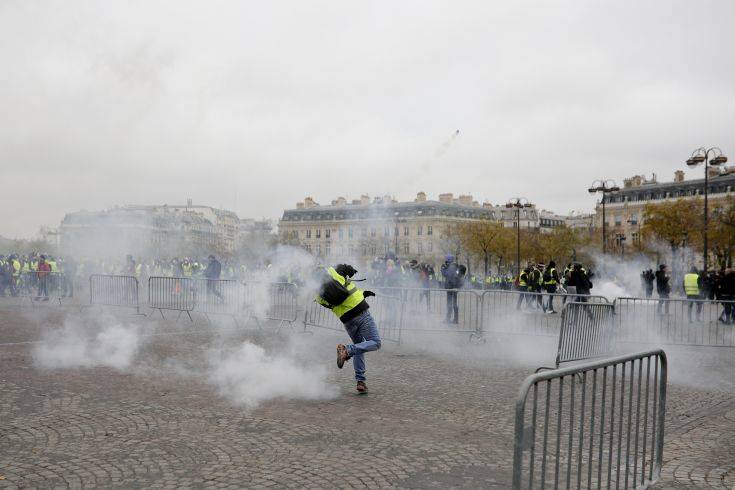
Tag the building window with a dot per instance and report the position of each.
(308, 233)
(617, 220)
(373, 249)
(420, 248)
(328, 233)
(386, 231)
(405, 231)
(420, 230)
(385, 248)
(341, 233)
(429, 230)
(430, 247)
(372, 232)
(308, 248)
(318, 233)
(350, 232)
(405, 248)
(318, 249)
(295, 234)
(395, 231)
(327, 250)
(350, 250)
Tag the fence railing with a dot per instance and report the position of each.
(597, 425)
(106, 290)
(171, 293)
(40, 286)
(587, 332)
(526, 313)
(387, 311)
(216, 296)
(675, 321)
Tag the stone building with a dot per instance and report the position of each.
(625, 209)
(149, 231)
(365, 228)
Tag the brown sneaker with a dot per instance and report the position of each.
(361, 387)
(342, 355)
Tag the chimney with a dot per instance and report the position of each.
(421, 197)
(299, 205)
(341, 201)
(679, 176)
(309, 203)
(465, 200)
(446, 198)
(364, 199)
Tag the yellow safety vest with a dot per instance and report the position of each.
(551, 275)
(522, 279)
(354, 299)
(691, 286)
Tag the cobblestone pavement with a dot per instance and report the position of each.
(437, 416)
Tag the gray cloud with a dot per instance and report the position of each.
(141, 102)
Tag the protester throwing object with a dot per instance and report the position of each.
(338, 293)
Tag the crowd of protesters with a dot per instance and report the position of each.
(696, 286)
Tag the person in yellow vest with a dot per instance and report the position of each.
(347, 302)
(692, 289)
(522, 287)
(551, 280)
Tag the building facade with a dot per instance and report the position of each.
(363, 229)
(149, 231)
(625, 209)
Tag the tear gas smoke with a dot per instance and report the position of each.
(76, 346)
(248, 376)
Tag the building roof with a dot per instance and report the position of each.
(392, 210)
(718, 184)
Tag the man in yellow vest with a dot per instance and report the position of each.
(348, 303)
(692, 289)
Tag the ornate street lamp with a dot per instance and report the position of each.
(703, 155)
(606, 187)
(518, 203)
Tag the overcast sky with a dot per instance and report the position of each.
(253, 105)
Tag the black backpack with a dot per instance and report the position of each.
(332, 291)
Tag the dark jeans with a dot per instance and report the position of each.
(663, 295)
(551, 289)
(43, 288)
(452, 306)
(728, 315)
(692, 302)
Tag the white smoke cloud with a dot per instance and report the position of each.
(78, 346)
(248, 376)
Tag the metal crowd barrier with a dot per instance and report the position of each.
(42, 286)
(386, 310)
(518, 312)
(171, 293)
(431, 310)
(674, 321)
(109, 290)
(587, 332)
(283, 303)
(605, 430)
(216, 296)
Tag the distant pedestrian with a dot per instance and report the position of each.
(693, 289)
(450, 273)
(44, 269)
(663, 287)
(212, 274)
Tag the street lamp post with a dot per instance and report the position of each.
(702, 155)
(606, 187)
(518, 203)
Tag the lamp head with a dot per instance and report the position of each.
(718, 160)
